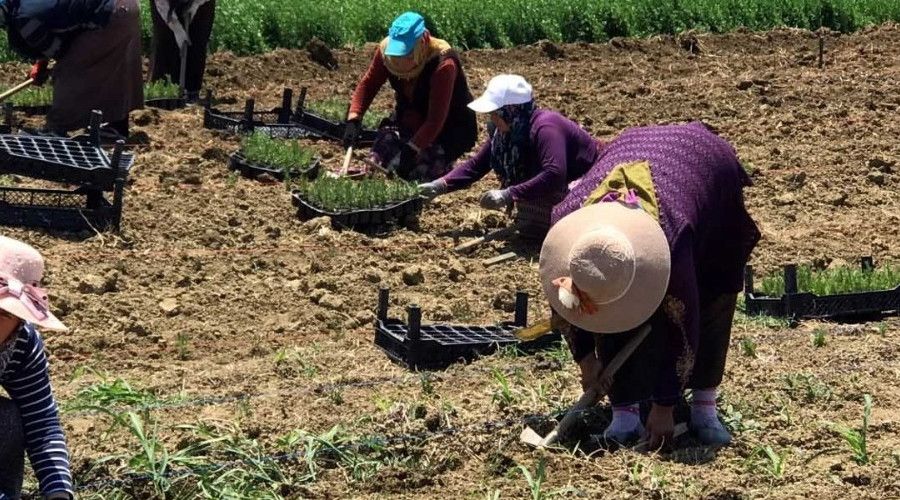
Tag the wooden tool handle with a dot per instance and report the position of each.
(15, 90)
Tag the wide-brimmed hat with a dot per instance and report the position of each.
(502, 90)
(21, 271)
(403, 34)
(605, 267)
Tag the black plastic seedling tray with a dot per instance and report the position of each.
(276, 123)
(168, 104)
(327, 128)
(360, 219)
(797, 305)
(61, 159)
(247, 168)
(425, 347)
(83, 209)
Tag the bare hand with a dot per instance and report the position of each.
(660, 426)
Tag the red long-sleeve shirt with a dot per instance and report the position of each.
(425, 128)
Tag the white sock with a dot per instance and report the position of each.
(626, 418)
(703, 408)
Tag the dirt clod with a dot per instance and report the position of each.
(321, 54)
(169, 306)
(413, 276)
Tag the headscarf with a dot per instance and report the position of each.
(507, 148)
(422, 54)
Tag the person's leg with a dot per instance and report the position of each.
(164, 60)
(200, 31)
(636, 378)
(12, 449)
(716, 317)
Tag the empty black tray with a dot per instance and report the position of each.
(60, 159)
(422, 347)
(239, 162)
(362, 218)
(797, 305)
(79, 210)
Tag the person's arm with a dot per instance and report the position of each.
(31, 38)
(471, 171)
(440, 94)
(682, 308)
(45, 443)
(550, 146)
(368, 87)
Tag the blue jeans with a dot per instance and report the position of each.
(12, 449)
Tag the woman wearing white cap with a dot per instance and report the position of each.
(536, 153)
(656, 233)
(29, 420)
(431, 126)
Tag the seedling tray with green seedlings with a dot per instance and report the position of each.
(328, 117)
(283, 159)
(357, 203)
(38, 100)
(163, 94)
(802, 292)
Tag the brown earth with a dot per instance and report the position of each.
(213, 278)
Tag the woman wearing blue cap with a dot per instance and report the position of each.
(431, 126)
(537, 154)
(97, 48)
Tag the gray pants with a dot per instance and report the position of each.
(12, 449)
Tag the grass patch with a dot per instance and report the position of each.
(336, 111)
(343, 194)
(111, 395)
(287, 155)
(835, 281)
(43, 95)
(857, 439)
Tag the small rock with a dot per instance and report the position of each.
(138, 328)
(273, 232)
(785, 199)
(881, 165)
(316, 295)
(457, 272)
(413, 276)
(796, 180)
(94, 284)
(744, 84)
(837, 198)
(321, 54)
(331, 301)
(183, 282)
(169, 306)
(373, 276)
(876, 177)
(234, 221)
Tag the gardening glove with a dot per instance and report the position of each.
(433, 189)
(496, 199)
(351, 132)
(39, 72)
(405, 161)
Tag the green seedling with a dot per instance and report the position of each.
(535, 481)
(111, 396)
(774, 462)
(836, 281)
(503, 395)
(818, 338)
(161, 89)
(182, 341)
(426, 383)
(806, 387)
(287, 155)
(33, 97)
(748, 347)
(857, 439)
(336, 110)
(343, 194)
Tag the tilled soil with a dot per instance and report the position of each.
(213, 278)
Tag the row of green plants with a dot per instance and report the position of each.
(43, 95)
(835, 281)
(253, 27)
(335, 109)
(287, 155)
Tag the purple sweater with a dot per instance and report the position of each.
(559, 152)
(699, 183)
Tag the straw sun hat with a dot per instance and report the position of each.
(21, 270)
(605, 267)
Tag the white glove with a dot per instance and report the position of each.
(433, 189)
(496, 199)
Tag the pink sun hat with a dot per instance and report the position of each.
(21, 271)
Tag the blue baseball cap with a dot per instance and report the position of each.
(404, 33)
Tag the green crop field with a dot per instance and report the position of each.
(252, 27)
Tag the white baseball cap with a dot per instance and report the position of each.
(502, 90)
